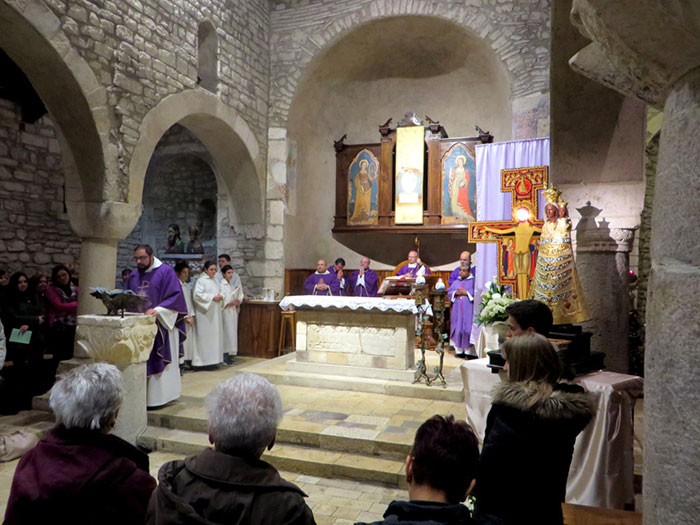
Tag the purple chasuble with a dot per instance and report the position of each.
(371, 284)
(163, 288)
(462, 312)
(328, 278)
(455, 274)
(412, 271)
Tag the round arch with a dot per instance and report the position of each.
(228, 139)
(32, 37)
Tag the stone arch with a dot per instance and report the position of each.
(229, 140)
(32, 37)
(286, 79)
(208, 56)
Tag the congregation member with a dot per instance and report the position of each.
(224, 259)
(322, 282)
(230, 483)
(62, 297)
(79, 473)
(461, 295)
(440, 472)
(123, 284)
(464, 258)
(232, 290)
(38, 284)
(4, 281)
(414, 268)
(166, 303)
(365, 281)
(338, 270)
(182, 269)
(529, 316)
(208, 301)
(530, 434)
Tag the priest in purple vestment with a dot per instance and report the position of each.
(464, 258)
(339, 270)
(414, 268)
(322, 282)
(167, 303)
(364, 282)
(461, 294)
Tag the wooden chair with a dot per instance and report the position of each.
(288, 319)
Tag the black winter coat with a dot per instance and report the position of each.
(528, 446)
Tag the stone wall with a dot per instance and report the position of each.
(34, 229)
(144, 50)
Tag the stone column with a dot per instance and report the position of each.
(125, 342)
(98, 262)
(602, 262)
(649, 49)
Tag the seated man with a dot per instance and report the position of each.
(529, 316)
(231, 484)
(414, 268)
(461, 294)
(322, 282)
(79, 473)
(338, 270)
(464, 258)
(364, 282)
(440, 472)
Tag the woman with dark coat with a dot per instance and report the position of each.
(62, 297)
(530, 435)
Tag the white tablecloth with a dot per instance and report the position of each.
(352, 303)
(602, 469)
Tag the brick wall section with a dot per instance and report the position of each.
(35, 233)
(144, 50)
(517, 31)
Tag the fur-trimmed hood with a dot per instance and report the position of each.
(545, 401)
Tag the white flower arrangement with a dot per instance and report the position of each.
(494, 302)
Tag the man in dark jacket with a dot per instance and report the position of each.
(440, 472)
(79, 474)
(231, 484)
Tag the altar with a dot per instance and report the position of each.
(368, 337)
(602, 468)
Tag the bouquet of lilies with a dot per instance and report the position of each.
(494, 302)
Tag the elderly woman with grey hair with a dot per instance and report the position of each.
(79, 473)
(231, 484)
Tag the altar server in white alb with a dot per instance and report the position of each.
(232, 290)
(208, 302)
(182, 269)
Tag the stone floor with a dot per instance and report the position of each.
(340, 419)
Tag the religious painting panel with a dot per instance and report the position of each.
(410, 150)
(363, 189)
(458, 185)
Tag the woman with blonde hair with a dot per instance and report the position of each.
(530, 435)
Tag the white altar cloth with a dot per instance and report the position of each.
(602, 468)
(352, 303)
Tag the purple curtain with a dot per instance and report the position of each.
(492, 204)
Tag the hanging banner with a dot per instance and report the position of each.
(410, 151)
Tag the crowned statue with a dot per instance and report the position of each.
(555, 281)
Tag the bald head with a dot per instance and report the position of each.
(412, 256)
(321, 266)
(364, 263)
(465, 257)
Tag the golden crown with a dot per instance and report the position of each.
(552, 195)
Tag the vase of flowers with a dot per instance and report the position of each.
(492, 314)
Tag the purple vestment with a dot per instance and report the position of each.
(163, 289)
(328, 278)
(462, 312)
(370, 287)
(455, 274)
(412, 271)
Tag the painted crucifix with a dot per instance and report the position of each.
(516, 258)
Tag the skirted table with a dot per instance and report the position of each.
(602, 468)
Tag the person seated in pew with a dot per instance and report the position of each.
(529, 316)
(530, 434)
(230, 483)
(440, 472)
(339, 270)
(322, 282)
(464, 258)
(414, 268)
(79, 473)
(365, 281)
(461, 295)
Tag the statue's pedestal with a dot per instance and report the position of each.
(125, 342)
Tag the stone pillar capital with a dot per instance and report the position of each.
(108, 220)
(117, 340)
(605, 239)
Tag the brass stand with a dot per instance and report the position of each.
(437, 301)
